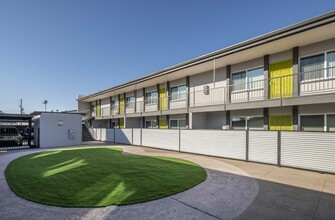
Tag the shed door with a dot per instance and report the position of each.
(281, 80)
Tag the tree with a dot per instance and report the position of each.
(45, 102)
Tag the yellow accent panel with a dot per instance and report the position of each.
(122, 106)
(98, 108)
(281, 87)
(163, 124)
(121, 124)
(281, 122)
(162, 99)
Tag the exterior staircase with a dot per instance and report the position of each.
(86, 134)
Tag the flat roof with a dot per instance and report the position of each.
(253, 42)
(15, 116)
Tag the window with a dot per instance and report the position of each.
(255, 123)
(312, 67)
(151, 124)
(238, 123)
(130, 102)
(251, 123)
(318, 66)
(178, 92)
(115, 104)
(330, 122)
(331, 64)
(312, 123)
(250, 79)
(151, 97)
(176, 123)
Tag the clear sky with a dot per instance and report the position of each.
(55, 50)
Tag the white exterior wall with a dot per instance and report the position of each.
(52, 135)
(287, 110)
(161, 138)
(105, 107)
(215, 83)
(139, 100)
(277, 57)
(216, 120)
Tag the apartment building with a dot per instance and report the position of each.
(282, 80)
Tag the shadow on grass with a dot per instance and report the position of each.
(94, 177)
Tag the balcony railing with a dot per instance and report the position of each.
(307, 83)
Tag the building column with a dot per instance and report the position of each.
(295, 118)
(124, 104)
(266, 118)
(167, 94)
(228, 70)
(158, 101)
(143, 91)
(135, 97)
(119, 99)
(157, 118)
(188, 91)
(266, 76)
(295, 68)
(227, 120)
(143, 122)
(190, 122)
(168, 121)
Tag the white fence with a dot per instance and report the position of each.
(307, 150)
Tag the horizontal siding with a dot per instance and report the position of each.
(263, 146)
(308, 150)
(123, 136)
(161, 138)
(137, 136)
(230, 144)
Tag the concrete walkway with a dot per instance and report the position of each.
(233, 189)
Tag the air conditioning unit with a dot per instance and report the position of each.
(206, 90)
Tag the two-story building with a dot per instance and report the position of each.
(282, 80)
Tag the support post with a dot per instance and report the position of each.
(266, 118)
(247, 146)
(295, 117)
(279, 148)
(266, 76)
(295, 68)
(228, 70)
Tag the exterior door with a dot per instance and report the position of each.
(162, 99)
(281, 122)
(121, 106)
(281, 79)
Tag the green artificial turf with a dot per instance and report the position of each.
(101, 176)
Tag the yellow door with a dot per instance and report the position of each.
(162, 99)
(281, 122)
(121, 106)
(163, 123)
(281, 80)
(98, 108)
(121, 124)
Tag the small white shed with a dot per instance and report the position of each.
(57, 129)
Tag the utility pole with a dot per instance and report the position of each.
(21, 107)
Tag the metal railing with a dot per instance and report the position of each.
(302, 84)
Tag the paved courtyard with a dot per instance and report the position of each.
(233, 190)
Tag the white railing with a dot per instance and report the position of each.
(306, 83)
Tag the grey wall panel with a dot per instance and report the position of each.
(308, 150)
(230, 144)
(263, 146)
(161, 138)
(123, 136)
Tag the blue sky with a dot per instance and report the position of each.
(55, 50)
